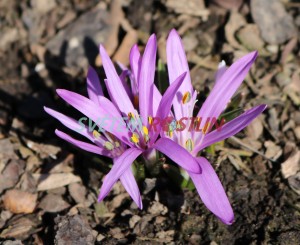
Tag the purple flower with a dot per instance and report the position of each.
(142, 101)
(177, 142)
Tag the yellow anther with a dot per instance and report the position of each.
(131, 115)
(189, 144)
(170, 133)
(117, 144)
(145, 130)
(96, 134)
(150, 120)
(135, 138)
(206, 127)
(186, 97)
(109, 146)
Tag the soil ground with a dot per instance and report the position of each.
(48, 44)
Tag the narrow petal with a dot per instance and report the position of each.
(123, 77)
(121, 164)
(94, 88)
(212, 192)
(124, 74)
(165, 104)
(83, 145)
(70, 123)
(114, 85)
(177, 154)
(221, 70)
(227, 85)
(105, 115)
(146, 80)
(128, 181)
(156, 99)
(177, 64)
(231, 128)
(135, 62)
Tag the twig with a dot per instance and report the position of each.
(238, 141)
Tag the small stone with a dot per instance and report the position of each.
(133, 220)
(117, 233)
(160, 220)
(149, 185)
(158, 208)
(190, 42)
(43, 6)
(100, 237)
(275, 24)
(80, 40)
(73, 230)
(18, 201)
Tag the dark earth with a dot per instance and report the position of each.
(48, 188)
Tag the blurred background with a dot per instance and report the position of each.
(48, 188)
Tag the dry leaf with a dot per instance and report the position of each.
(191, 7)
(11, 174)
(18, 201)
(52, 181)
(53, 203)
(293, 89)
(294, 182)
(78, 193)
(19, 229)
(288, 49)
(229, 4)
(291, 166)
(117, 201)
(249, 37)
(273, 151)
(116, 16)
(44, 150)
(238, 163)
(255, 129)
(236, 21)
(122, 54)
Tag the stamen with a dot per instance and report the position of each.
(109, 146)
(117, 144)
(178, 125)
(206, 127)
(131, 115)
(135, 138)
(96, 134)
(189, 144)
(145, 130)
(150, 120)
(186, 97)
